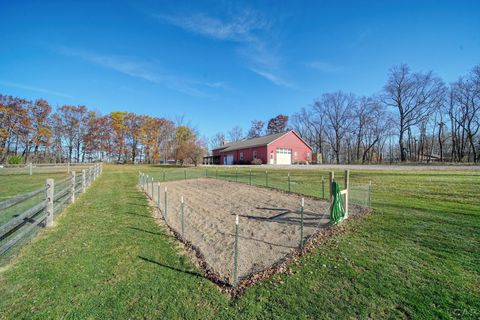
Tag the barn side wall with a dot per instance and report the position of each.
(247, 154)
(291, 141)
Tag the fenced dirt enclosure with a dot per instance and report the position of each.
(269, 222)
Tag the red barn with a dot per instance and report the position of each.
(281, 148)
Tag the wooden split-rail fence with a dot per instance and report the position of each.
(21, 215)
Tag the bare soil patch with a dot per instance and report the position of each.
(269, 223)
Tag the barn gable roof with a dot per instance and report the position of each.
(255, 142)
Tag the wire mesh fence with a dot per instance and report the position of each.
(22, 216)
(272, 222)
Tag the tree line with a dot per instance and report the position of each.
(32, 132)
(415, 117)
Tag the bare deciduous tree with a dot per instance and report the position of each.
(236, 134)
(414, 95)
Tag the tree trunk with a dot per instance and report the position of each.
(401, 143)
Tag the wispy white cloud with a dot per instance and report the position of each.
(239, 28)
(146, 70)
(323, 66)
(247, 28)
(273, 78)
(35, 89)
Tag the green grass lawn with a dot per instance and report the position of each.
(15, 184)
(417, 256)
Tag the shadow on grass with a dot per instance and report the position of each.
(192, 273)
(146, 231)
(137, 204)
(136, 214)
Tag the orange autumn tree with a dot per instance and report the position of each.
(118, 122)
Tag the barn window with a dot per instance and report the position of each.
(308, 155)
(241, 156)
(295, 155)
(254, 154)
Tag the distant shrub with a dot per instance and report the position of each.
(15, 160)
(256, 161)
(241, 162)
(300, 162)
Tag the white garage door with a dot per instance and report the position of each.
(284, 156)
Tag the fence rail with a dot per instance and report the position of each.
(41, 168)
(20, 216)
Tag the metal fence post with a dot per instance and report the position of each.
(50, 194)
(68, 167)
(266, 178)
(236, 174)
(158, 195)
(369, 193)
(152, 188)
(73, 186)
(166, 205)
(301, 223)
(185, 172)
(84, 182)
(250, 176)
(347, 187)
(332, 178)
(216, 173)
(182, 221)
(323, 187)
(206, 172)
(235, 253)
(289, 189)
(164, 175)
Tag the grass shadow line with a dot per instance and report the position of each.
(192, 273)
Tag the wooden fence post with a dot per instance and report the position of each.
(68, 167)
(50, 194)
(73, 186)
(84, 181)
(30, 166)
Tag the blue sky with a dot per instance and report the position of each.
(224, 63)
